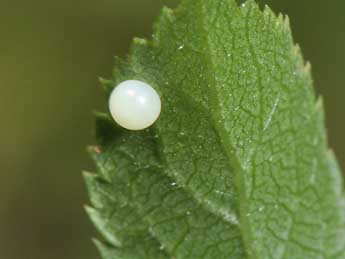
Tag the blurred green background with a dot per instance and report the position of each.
(51, 54)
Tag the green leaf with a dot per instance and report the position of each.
(238, 164)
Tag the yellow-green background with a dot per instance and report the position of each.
(51, 54)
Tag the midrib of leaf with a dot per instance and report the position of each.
(223, 141)
(217, 120)
(201, 109)
(223, 135)
(226, 144)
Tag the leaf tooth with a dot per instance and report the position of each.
(98, 189)
(319, 105)
(106, 251)
(168, 12)
(102, 116)
(140, 41)
(333, 159)
(307, 73)
(320, 115)
(282, 22)
(106, 84)
(103, 80)
(287, 24)
(102, 171)
(279, 19)
(121, 71)
(297, 50)
(139, 47)
(297, 54)
(268, 11)
(339, 182)
(93, 150)
(251, 5)
(165, 17)
(89, 179)
(101, 247)
(101, 224)
(307, 68)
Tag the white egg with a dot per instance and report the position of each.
(134, 105)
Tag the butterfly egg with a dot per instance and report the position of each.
(134, 105)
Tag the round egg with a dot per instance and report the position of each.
(134, 105)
